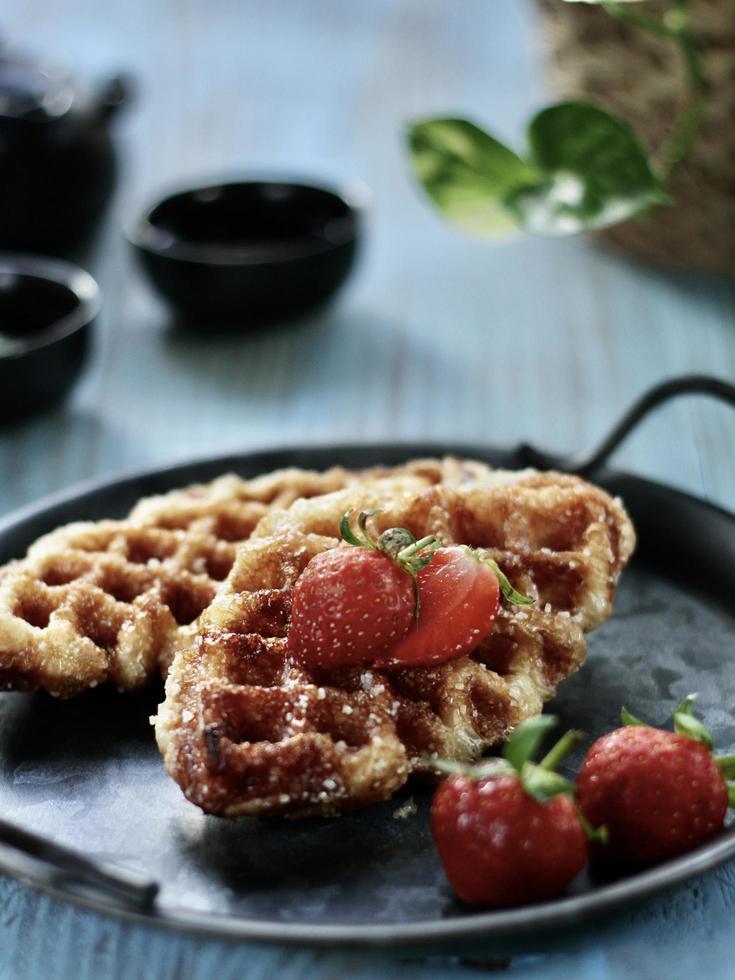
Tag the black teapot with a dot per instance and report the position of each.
(57, 161)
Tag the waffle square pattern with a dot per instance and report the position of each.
(247, 729)
(113, 600)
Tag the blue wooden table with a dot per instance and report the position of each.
(436, 337)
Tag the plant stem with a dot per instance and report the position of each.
(674, 26)
(677, 147)
(647, 22)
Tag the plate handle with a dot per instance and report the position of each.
(587, 462)
(70, 870)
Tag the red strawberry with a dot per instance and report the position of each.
(658, 793)
(509, 833)
(460, 597)
(348, 606)
(356, 605)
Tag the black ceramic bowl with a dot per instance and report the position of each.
(248, 252)
(46, 310)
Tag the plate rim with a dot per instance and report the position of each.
(569, 911)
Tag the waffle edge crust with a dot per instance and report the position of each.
(246, 729)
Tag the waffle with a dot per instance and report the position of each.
(113, 600)
(246, 729)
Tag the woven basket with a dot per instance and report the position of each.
(640, 78)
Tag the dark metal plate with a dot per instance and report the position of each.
(86, 773)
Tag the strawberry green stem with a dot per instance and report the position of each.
(413, 558)
(417, 546)
(561, 750)
(416, 599)
(397, 543)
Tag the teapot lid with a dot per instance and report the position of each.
(32, 92)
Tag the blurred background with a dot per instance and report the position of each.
(435, 335)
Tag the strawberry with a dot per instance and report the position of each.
(658, 793)
(507, 831)
(350, 604)
(394, 601)
(460, 597)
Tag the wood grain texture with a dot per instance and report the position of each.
(435, 337)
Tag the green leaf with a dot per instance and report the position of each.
(347, 533)
(686, 724)
(603, 3)
(628, 719)
(525, 740)
(693, 728)
(448, 766)
(687, 705)
(542, 784)
(362, 520)
(481, 769)
(468, 174)
(595, 835)
(726, 765)
(509, 593)
(595, 172)
(731, 794)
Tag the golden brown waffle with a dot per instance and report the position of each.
(246, 729)
(113, 600)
